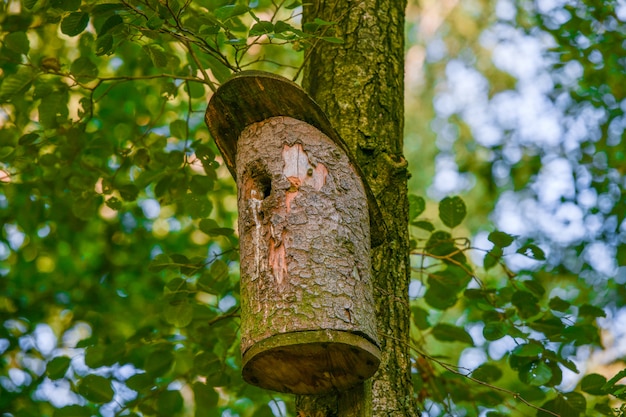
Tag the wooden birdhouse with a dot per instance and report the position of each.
(307, 220)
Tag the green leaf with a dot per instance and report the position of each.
(487, 373)
(157, 55)
(29, 4)
(322, 22)
(114, 203)
(549, 325)
(492, 257)
(219, 270)
(501, 239)
(201, 184)
(535, 287)
(293, 4)
(169, 403)
(104, 45)
(159, 362)
(17, 42)
(528, 350)
(576, 401)
(197, 206)
(587, 310)
(95, 356)
(53, 109)
(74, 23)
(57, 367)
(206, 399)
(83, 69)
(159, 263)
(140, 382)
(424, 225)
(526, 304)
(28, 139)
(226, 12)
(450, 333)
(417, 205)
(535, 373)
(452, 277)
(420, 317)
(195, 90)
(532, 251)
(282, 27)
(177, 284)
(558, 304)
(155, 22)
(96, 389)
(72, 411)
(610, 385)
(557, 374)
(211, 228)
(440, 297)
(570, 405)
(67, 5)
(218, 68)
(178, 129)
(109, 24)
(440, 243)
(179, 313)
(495, 330)
(593, 384)
(15, 84)
(261, 28)
(128, 192)
(6, 152)
(569, 365)
(105, 8)
(452, 211)
(207, 363)
(332, 39)
(604, 409)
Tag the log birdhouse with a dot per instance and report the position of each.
(306, 223)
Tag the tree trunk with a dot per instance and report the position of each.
(360, 86)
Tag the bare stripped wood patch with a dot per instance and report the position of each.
(308, 324)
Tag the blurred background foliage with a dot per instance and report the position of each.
(118, 255)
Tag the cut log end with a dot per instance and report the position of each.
(311, 362)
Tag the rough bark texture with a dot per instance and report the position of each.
(360, 86)
(254, 96)
(307, 321)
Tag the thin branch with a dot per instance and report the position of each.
(207, 79)
(308, 54)
(454, 369)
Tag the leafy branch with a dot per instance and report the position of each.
(512, 307)
(467, 374)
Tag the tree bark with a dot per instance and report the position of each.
(360, 86)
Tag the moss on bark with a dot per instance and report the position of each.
(360, 86)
